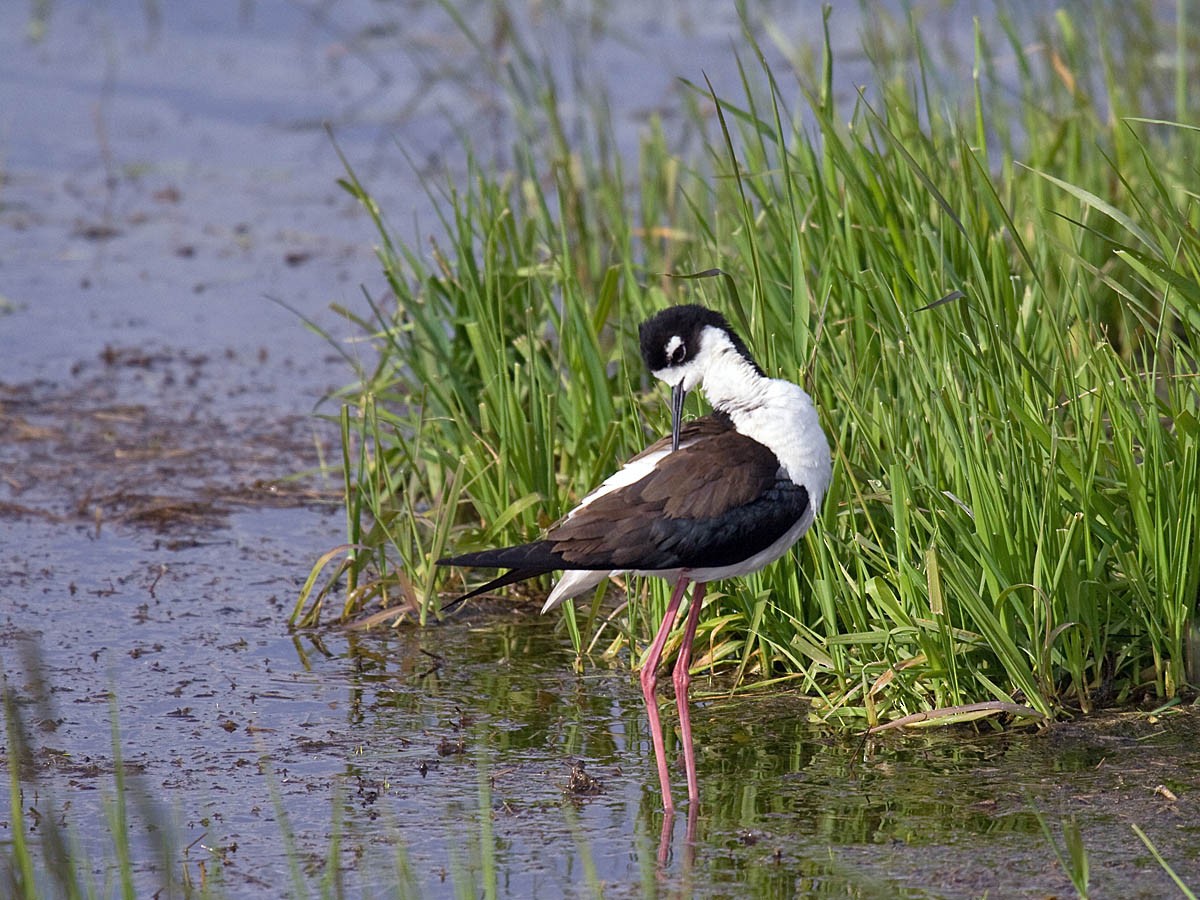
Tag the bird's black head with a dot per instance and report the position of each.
(672, 337)
(674, 350)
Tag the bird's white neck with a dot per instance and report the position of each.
(776, 413)
(730, 382)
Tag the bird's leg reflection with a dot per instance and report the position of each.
(689, 846)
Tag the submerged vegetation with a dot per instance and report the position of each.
(991, 293)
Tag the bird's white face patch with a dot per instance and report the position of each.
(685, 362)
(670, 376)
(676, 353)
(676, 350)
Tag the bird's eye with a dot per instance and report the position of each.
(678, 354)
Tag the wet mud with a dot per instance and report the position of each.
(85, 451)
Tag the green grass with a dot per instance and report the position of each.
(992, 294)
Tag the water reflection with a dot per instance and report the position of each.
(451, 750)
(788, 805)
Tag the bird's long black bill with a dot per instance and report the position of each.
(678, 395)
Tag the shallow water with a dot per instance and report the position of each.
(163, 176)
(403, 732)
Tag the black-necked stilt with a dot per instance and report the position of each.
(722, 496)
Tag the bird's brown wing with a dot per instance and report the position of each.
(718, 500)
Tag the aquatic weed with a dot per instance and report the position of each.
(998, 323)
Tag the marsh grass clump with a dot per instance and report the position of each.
(992, 295)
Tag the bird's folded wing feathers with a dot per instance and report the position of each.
(719, 502)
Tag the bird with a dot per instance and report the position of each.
(720, 497)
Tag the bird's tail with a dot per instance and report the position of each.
(524, 560)
(511, 577)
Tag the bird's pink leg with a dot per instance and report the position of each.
(649, 679)
(683, 681)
